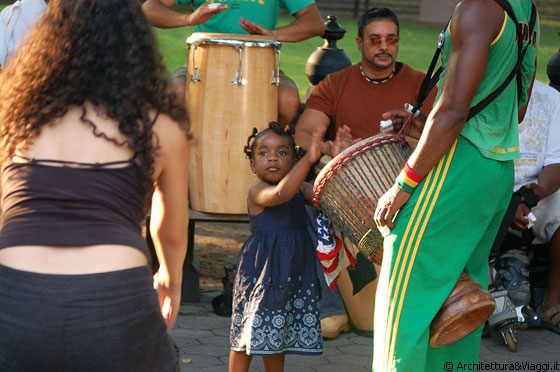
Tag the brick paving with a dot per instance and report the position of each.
(203, 341)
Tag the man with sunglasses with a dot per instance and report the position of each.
(351, 103)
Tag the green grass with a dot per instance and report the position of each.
(416, 48)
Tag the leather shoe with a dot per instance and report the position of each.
(333, 325)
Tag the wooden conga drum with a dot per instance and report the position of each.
(232, 86)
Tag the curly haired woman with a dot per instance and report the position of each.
(89, 138)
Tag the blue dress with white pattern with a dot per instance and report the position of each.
(275, 298)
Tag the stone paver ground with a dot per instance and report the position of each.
(203, 341)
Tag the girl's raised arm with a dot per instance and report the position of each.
(264, 195)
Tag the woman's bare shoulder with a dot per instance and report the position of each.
(168, 132)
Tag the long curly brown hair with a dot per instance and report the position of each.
(97, 51)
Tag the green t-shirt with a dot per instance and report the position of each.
(263, 12)
(494, 130)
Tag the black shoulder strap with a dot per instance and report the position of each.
(516, 71)
(430, 80)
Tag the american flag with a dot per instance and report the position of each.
(329, 250)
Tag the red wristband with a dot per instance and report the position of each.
(411, 173)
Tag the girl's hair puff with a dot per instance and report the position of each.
(273, 127)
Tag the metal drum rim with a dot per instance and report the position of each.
(235, 40)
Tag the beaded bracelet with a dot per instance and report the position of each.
(408, 179)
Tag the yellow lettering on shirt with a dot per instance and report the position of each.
(499, 150)
(505, 151)
(531, 39)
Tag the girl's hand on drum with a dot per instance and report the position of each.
(204, 13)
(314, 152)
(342, 141)
(388, 205)
(254, 28)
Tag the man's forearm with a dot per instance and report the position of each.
(161, 16)
(310, 121)
(303, 137)
(549, 181)
(308, 23)
(438, 136)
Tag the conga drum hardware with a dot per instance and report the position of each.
(213, 39)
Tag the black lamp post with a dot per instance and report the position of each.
(328, 58)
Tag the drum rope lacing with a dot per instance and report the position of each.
(342, 161)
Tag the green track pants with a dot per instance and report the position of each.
(447, 226)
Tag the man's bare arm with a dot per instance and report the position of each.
(308, 23)
(475, 24)
(549, 181)
(160, 13)
(310, 121)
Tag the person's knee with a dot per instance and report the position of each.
(288, 104)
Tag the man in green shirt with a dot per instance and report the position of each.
(257, 17)
(454, 190)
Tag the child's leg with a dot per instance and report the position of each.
(274, 363)
(239, 361)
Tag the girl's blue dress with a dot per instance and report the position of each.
(275, 299)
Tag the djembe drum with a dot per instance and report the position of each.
(347, 190)
(232, 86)
(348, 187)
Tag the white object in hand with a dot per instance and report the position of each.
(386, 125)
(384, 230)
(409, 109)
(213, 6)
(532, 219)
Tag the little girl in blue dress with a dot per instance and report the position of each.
(275, 300)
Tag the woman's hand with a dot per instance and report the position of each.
(169, 298)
